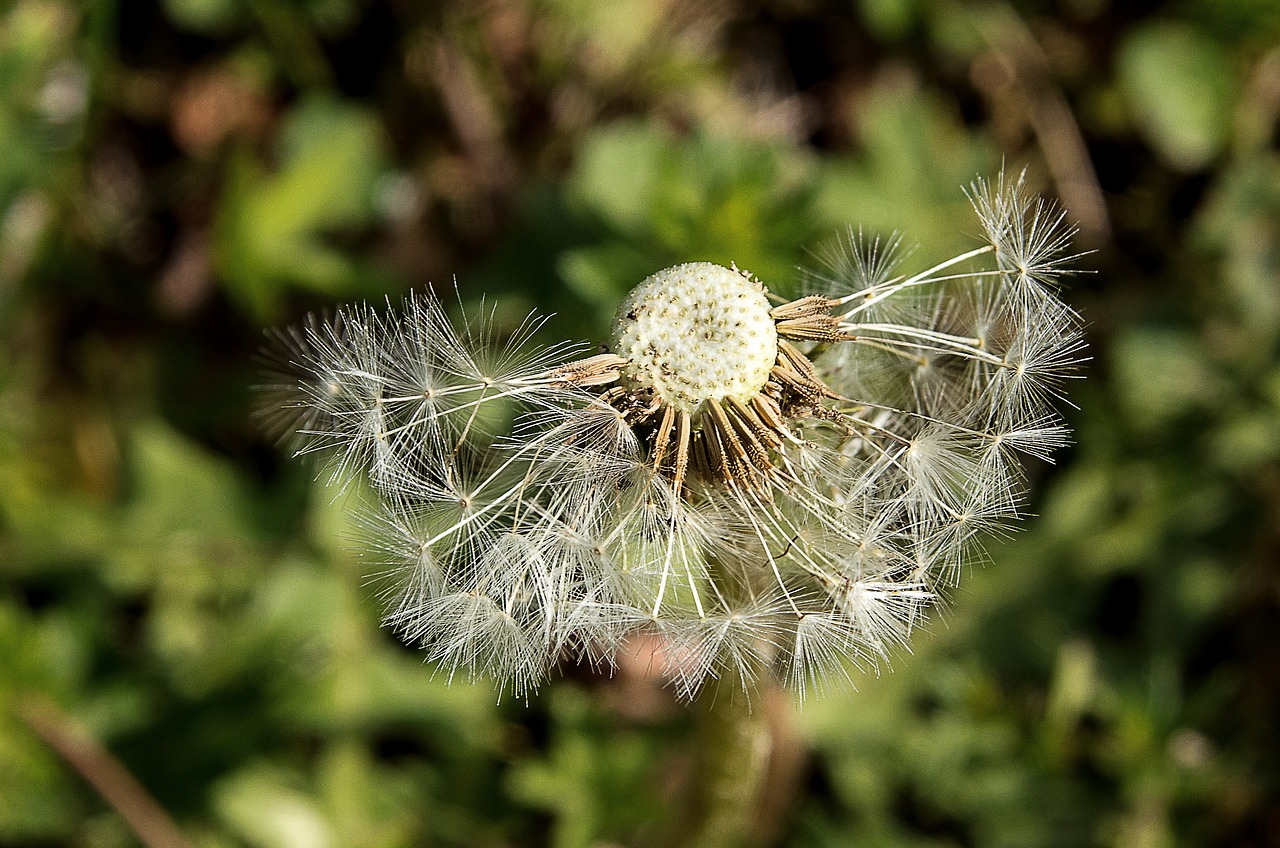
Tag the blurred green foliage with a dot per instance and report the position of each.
(179, 175)
(271, 227)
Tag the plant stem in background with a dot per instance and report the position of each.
(150, 822)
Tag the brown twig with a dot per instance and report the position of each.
(145, 817)
(1049, 117)
(473, 114)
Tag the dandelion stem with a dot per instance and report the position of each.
(732, 753)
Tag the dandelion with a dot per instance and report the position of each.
(774, 488)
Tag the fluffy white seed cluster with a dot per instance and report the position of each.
(770, 488)
(694, 332)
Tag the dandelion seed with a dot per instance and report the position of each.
(769, 486)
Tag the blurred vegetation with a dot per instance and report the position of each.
(178, 175)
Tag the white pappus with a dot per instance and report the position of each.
(771, 487)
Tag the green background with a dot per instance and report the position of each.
(177, 176)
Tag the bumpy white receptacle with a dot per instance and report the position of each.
(697, 332)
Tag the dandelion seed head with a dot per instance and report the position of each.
(696, 332)
(771, 490)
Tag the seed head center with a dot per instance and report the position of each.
(697, 332)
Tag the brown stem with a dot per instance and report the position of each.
(144, 816)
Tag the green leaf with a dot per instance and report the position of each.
(1181, 87)
(272, 227)
(214, 17)
(1160, 374)
(917, 160)
(263, 806)
(617, 175)
(890, 20)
